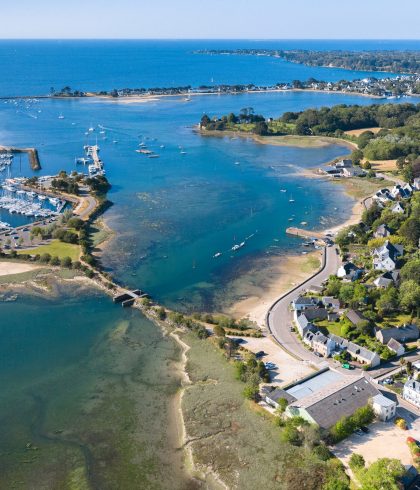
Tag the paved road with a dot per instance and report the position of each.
(91, 204)
(279, 318)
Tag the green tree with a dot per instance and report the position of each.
(356, 461)
(346, 293)
(251, 392)
(388, 301)
(356, 156)
(410, 295)
(411, 270)
(410, 230)
(383, 474)
(66, 262)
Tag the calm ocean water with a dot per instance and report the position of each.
(64, 362)
(32, 67)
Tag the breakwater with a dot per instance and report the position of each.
(32, 155)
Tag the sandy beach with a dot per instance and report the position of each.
(8, 268)
(279, 275)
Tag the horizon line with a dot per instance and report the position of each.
(200, 39)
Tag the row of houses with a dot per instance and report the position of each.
(398, 192)
(309, 309)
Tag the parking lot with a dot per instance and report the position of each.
(288, 369)
(384, 440)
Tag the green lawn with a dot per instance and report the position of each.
(396, 320)
(55, 248)
(332, 327)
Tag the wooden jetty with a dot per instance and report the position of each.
(32, 155)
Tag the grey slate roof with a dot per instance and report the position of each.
(356, 349)
(330, 301)
(355, 316)
(382, 231)
(405, 333)
(339, 341)
(394, 345)
(316, 313)
(276, 394)
(337, 400)
(305, 300)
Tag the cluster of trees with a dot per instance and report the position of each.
(233, 121)
(347, 425)
(98, 184)
(394, 61)
(185, 321)
(398, 138)
(384, 473)
(252, 372)
(66, 92)
(66, 183)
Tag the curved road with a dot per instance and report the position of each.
(279, 317)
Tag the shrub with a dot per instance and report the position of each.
(401, 423)
(251, 392)
(161, 313)
(219, 331)
(357, 461)
(66, 262)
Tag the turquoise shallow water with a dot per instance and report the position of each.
(84, 398)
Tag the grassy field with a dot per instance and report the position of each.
(55, 249)
(359, 188)
(311, 264)
(99, 233)
(232, 436)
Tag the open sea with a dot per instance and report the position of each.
(171, 215)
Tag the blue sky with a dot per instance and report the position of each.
(248, 19)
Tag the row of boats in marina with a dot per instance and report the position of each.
(6, 159)
(29, 203)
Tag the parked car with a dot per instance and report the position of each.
(364, 429)
(260, 353)
(270, 365)
(359, 432)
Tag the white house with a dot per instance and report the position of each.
(401, 191)
(319, 343)
(411, 392)
(349, 272)
(303, 302)
(387, 279)
(385, 257)
(384, 408)
(382, 196)
(397, 208)
(395, 347)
